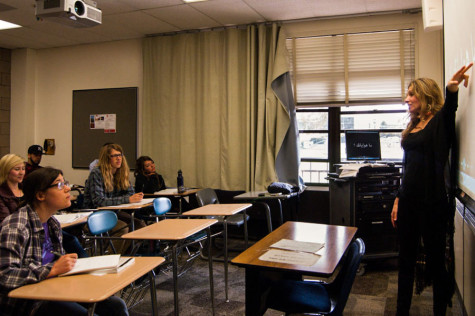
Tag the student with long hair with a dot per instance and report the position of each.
(147, 180)
(28, 239)
(12, 172)
(108, 183)
(421, 209)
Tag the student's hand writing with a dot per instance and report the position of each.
(458, 77)
(63, 264)
(137, 197)
(394, 213)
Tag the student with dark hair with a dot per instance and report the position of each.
(28, 240)
(35, 153)
(147, 180)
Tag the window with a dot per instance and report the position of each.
(349, 81)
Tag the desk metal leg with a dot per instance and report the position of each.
(246, 234)
(90, 310)
(225, 233)
(210, 263)
(175, 277)
(281, 218)
(268, 215)
(153, 293)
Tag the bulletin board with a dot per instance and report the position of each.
(103, 116)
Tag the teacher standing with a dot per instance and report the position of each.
(421, 208)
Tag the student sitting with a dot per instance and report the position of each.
(147, 180)
(28, 239)
(12, 171)
(108, 184)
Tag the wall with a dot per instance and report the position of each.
(42, 85)
(5, 65)
(43, 80)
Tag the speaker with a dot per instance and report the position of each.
(432, 15)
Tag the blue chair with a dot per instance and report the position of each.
(307, 297)
(99, 224)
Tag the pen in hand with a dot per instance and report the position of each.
(56, 254)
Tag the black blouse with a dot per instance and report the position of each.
(149, 184)
(426, 153)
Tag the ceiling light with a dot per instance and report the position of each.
(7, 25)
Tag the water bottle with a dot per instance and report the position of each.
(179, 182)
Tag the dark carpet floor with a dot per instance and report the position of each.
(373, 293)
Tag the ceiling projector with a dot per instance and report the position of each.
(74, 13)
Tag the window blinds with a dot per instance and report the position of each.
(352, 68)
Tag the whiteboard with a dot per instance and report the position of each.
(459, 50)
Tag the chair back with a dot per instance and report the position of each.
(101, 222)
(162, 205)
(206, 196)
(340, 288)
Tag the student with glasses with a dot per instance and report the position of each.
(108, 183)
(28, 240)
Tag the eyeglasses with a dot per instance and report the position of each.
(116, 156)
(60, 185)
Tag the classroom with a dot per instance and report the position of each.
(43, 64)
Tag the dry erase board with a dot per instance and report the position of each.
(459, 50)
(103, 116)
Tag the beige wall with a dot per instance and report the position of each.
(43, 80)
(42, 85)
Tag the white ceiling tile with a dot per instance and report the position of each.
(184, 17)
(228, 12)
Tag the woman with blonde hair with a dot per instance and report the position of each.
(108, 183)
(421, 209)
(12, 171)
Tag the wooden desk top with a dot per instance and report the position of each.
(262, 195)
(218, 209)
(169, 192)
(336, 239)
(170, 229)
(86, 288)
(129, 206)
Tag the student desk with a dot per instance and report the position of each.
(72, 219)
(173, 193)
(88, 288)
(223, 210)
(336, 239)
(261, 197)
(129, 207)
(176, 230)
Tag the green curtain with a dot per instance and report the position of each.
(208, 108)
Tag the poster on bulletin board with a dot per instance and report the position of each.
(106, 122)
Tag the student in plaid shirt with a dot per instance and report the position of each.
(28, 239)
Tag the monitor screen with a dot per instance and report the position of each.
(362, 145)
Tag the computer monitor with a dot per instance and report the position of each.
(363, 145)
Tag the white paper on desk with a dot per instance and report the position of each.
(301, 246)
(290, 257)
(94, 263)
(70, 217)
(127, 205)
(167, 191)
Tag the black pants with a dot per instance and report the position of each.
(416, 219)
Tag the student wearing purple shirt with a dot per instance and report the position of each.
(28, 239)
